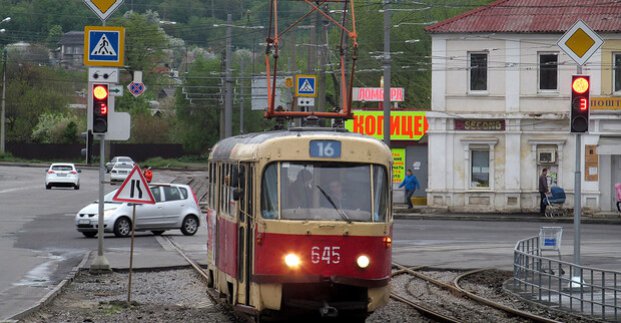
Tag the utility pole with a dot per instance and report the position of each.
(387, 62)
(228, 86)
(3, 116)
(241, 95)
(321, 78)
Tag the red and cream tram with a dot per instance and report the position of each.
(300, 221)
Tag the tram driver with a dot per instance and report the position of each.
(336, 195)
(301, 190)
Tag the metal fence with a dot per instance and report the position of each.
(566, 286)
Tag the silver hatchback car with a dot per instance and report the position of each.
(176, 207)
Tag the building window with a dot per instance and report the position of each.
(478, 71)
(548, 71)
(616, 72)
(479, 169)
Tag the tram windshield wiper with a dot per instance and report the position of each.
(338, 210)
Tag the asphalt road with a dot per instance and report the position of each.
(39, 244)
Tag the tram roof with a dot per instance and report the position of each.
(224, 148)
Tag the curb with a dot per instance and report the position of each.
(53, 293)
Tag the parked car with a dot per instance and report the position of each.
(119, 159)
(120, 171)
(176, 207)
(62, 174)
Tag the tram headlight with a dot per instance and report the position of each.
(292, 261)
(363, 261)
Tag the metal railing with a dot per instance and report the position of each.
(566, 286)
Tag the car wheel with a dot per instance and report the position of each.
(89, 234)
(76, 187)
(157, 232)
(189, 226)
(122, 227)
(48, 186)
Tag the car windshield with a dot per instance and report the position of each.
(325, 191)
(124, 166)
(124, 160)
(108, 198)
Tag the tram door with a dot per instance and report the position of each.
(244, 252)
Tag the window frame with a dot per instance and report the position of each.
(540, 70)
(472, 70)
(477, 149)
(616, 73)
(484, 143)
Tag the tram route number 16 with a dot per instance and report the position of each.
(325, 148)
(329, 255)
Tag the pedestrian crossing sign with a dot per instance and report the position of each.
(104, 46)
(305, 86)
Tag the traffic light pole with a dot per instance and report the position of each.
(100, 263)
(576, 280)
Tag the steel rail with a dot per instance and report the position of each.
(455, 289)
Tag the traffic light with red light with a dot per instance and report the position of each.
(580, 103)
(100, 108)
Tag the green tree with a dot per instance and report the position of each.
(54, 127)
(197, 124)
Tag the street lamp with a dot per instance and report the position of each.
(3, 112)
(427, 23)
(412, 41)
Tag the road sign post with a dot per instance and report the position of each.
(135, 189)
(103, 46)
(579, 42)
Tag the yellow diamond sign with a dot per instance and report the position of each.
(103, 8)
(580, 42)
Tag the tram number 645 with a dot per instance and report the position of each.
(329, 255)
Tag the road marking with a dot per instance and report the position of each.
(15, 189)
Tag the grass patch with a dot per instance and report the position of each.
(188, 162)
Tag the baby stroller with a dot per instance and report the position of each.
(554, 202)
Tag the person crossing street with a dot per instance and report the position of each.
(411, 185)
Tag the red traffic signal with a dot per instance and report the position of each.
(580, 102)
(100, 108)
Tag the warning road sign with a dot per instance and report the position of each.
(104, 45)
(305, 85)
(103, 8)
(580, 42)
(134, 189)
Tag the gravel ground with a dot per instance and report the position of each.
(180, 296)
(162, 296)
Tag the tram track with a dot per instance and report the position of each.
(452, 308)
(211, 293)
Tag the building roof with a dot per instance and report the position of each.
(534, 16)
(72, 38)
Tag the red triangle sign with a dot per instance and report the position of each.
(135, 189)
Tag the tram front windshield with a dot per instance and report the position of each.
(325, 191)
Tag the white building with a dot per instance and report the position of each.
(501, 105)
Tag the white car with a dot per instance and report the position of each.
(176, 207)
(62, 174)
(119, 172)
(117, 160)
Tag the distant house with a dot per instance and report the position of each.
(72, 50)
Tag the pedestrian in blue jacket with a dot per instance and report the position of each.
(411, 184)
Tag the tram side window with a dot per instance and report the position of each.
(380, 182)
(269, 192)
(212, 186)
